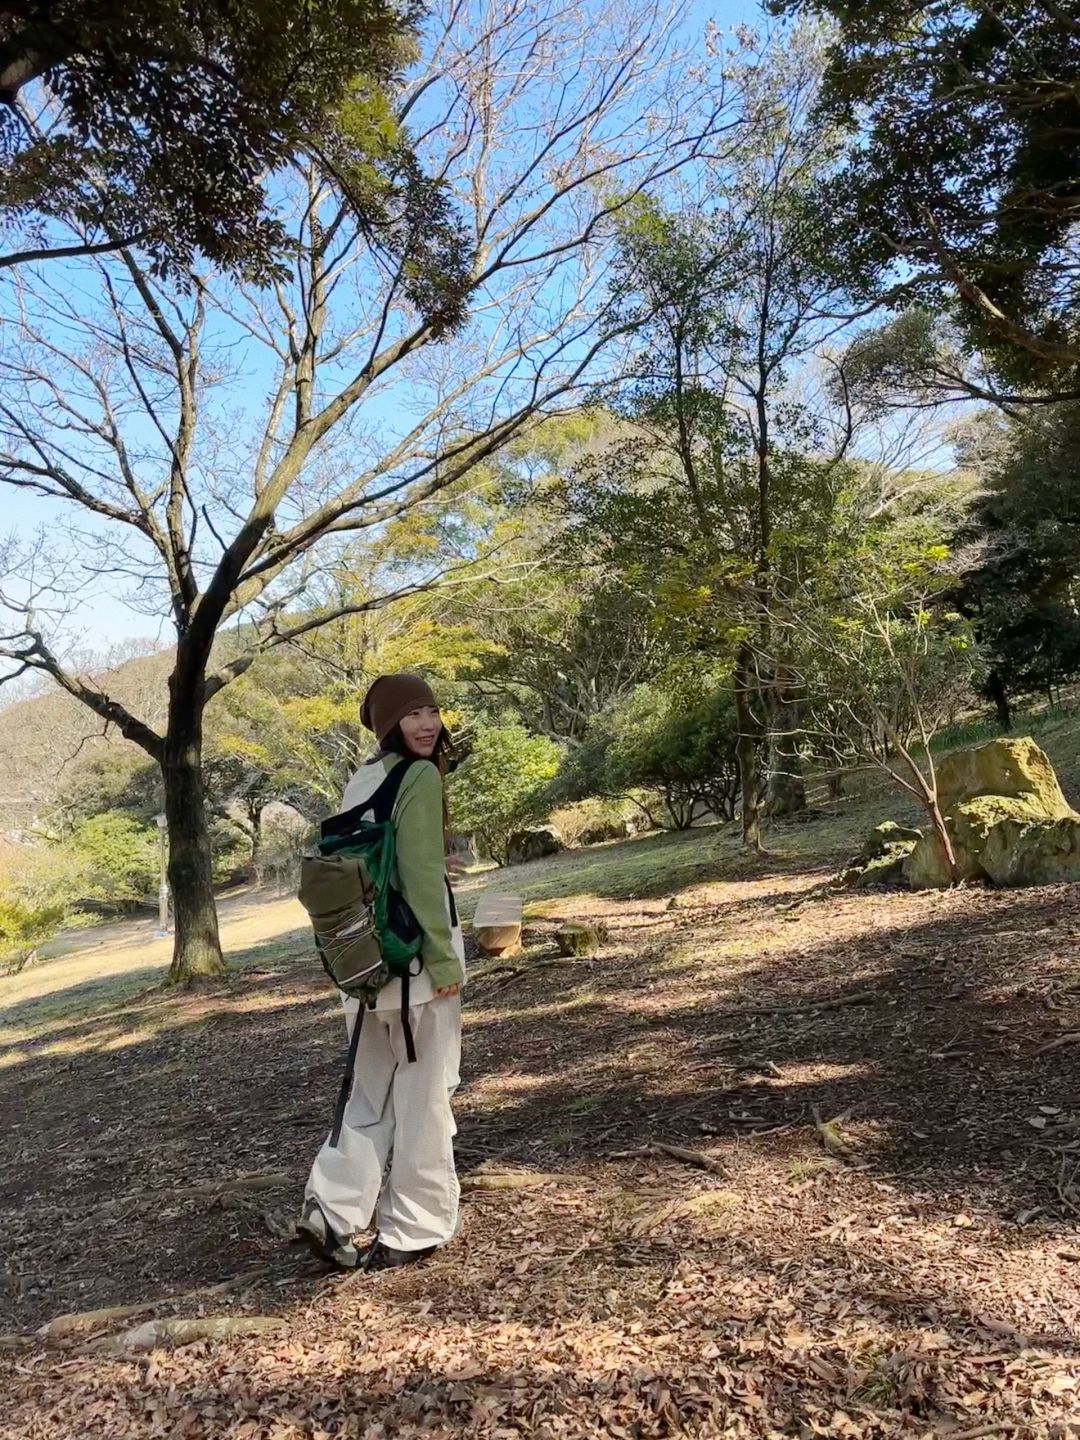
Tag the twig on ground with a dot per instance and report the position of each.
(1071, 1039)
(271, 1180)
(512, 1179)
(155, 1333)
(1066, 1127)
(80, 1324)
(510, 974)
(859, 997)
(657, 1148)
(1066, 1188)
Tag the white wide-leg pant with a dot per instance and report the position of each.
(398, 1113)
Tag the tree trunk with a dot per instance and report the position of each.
(941, 830)
(196, 947)
(749, 732)
(995, 689)
(785, 791)
(258, 861)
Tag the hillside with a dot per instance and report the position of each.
(40, 736)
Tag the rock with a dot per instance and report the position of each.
(885, 837)
(926, 867)
(575, 938)
(1008, 817)
(1036, 853)
(526, 845)
(881, 860)
(1015, 769)
(972, 822)
(605, 830)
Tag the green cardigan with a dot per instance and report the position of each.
(418, 821)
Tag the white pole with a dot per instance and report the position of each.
(163, 881)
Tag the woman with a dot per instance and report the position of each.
(400, 1111)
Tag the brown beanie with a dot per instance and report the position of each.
(390, 699)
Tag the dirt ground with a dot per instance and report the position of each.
(911, 1268)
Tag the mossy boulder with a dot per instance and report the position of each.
(1044, 852)
(525, 846)
(1009, 820)
(927, 869)
(576, 938)
(881, 859)
(1011, 769)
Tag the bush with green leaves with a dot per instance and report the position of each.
(120, 855)
(41, 887)
(24, 925)
(679, 747)
(598, 818)
(500, 786)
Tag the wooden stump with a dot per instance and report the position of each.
(576, 938)
(497, 924)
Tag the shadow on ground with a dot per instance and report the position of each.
(935, 1067)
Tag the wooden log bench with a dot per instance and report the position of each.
(497, 924)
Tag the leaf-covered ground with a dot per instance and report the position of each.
(884, 1090)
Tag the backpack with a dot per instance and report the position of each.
(365, 933)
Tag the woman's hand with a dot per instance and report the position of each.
(447, 991)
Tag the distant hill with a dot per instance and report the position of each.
(42, 735)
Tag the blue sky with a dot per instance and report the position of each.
(103, 619)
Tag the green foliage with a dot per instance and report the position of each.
(120, 856)
(500, 786)
(25, 925)
(169, 129)
(964, 183)
(880, 657)
(39, 892)
(596, 818)
(116, 776)
(1020, 586)
(679, 746)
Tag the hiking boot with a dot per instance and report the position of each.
(385, 1257)
(316, 1232)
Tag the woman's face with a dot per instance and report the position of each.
(421, 730)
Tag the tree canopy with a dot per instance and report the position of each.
(964, 185)
(162, 126)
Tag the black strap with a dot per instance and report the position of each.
(381, 804)
(346, 1080)
(406, 1021)
(385, 798)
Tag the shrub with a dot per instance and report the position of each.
(681, 749)
(41, 885)
(500, 787)
(596, 818)
(120, 855)
(25, 925)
